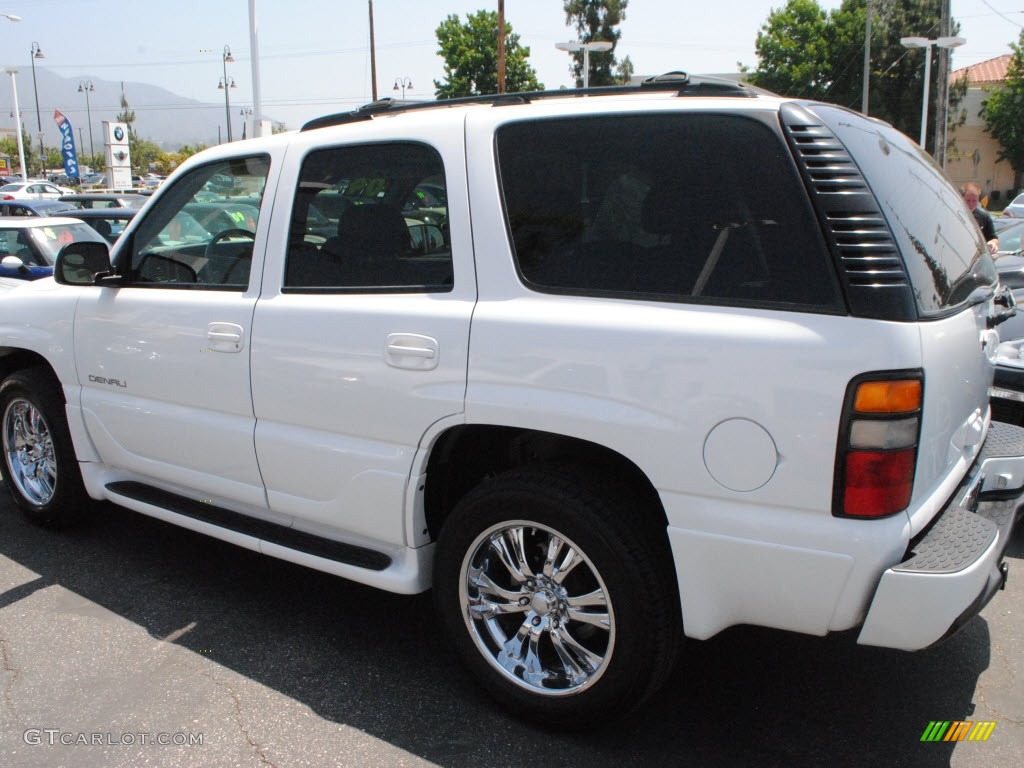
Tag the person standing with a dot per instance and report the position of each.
(971, 193)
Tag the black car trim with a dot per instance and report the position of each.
(272, 533)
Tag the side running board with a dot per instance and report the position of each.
(261, 529)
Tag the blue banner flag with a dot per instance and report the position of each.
(67, 145)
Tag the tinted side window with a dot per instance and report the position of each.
(944, 253)
(681, 207)
(370, 218)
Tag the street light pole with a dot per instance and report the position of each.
(573, 47)
(403, 83)
(85, 86)
(924, 42)
(226, 84)
(37, 53)
(17, 111)
(246, 112)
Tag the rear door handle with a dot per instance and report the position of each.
(412, 351)
(225, 337)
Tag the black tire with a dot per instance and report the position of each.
(40, 469)
(566, 668)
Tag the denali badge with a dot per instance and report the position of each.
(102, 380)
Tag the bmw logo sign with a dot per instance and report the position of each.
(118, 133)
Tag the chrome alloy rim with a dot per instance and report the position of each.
(537, 608)
(28, 449)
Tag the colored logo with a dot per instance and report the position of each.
(958, 730)
(118, 133)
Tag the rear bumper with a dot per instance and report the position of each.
(954, 566)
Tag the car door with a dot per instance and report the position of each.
(163, 358)
(360, 344)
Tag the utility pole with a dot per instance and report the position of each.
(867, 59)
(501, 46)
(373, 57)
(942, 89)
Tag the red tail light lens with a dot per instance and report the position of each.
(878, 483)
(877, 452)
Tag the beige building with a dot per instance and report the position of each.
(975, 153)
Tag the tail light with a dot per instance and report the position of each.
(877, 452)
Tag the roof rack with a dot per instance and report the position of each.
(682, 83)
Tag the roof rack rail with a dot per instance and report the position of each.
(682, 83)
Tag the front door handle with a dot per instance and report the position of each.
(225, 337)
(412, 351)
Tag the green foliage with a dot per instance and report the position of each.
(625, 72)
(145, 152)
(596, 20)
(1003, 112)
(470, 53)
(54, 159)
(127, 115)
(806, 52)
(278, 127)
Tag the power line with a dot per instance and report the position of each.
(1001, 15)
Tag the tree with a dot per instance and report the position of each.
(145, 153)
(278, 127)
(470, 53)
(1003, 112)
(127, 115)
(9, 147)
(794, 51)
(596, 20)
(805, 52)
(625, 72)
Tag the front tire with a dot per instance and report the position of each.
(558, 594)
(39, 464)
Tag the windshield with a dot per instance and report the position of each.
(52, 238)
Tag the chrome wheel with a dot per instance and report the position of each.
(28, 449)
(537, 608)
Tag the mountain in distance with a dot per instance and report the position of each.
(161, 116)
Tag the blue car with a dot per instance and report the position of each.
(29, 244)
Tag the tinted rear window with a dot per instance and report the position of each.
(942, 247)
(671, 207)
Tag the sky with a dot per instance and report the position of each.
(314, 54)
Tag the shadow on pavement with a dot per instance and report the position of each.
(377, 662)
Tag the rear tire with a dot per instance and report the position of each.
(558, 594)
(39, 464)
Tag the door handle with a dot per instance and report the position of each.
(398, 349)
(411, 350)
(225, 337)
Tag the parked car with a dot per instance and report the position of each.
(108, 222)
(34, 207)
(29, 244)
(678, 357)
(28, 190)
(1015, 208)
(1009, 232)
(104, 200)
(220, 216)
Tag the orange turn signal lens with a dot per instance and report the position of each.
(899, 396)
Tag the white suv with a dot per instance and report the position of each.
(604, 370)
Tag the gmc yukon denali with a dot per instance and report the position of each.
(604, 369)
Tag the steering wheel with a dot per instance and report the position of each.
(226, 233)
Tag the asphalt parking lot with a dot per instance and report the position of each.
(129, 642)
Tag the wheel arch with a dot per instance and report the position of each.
(17, 359)
(465, 454)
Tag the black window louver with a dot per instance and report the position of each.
(871, 269)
